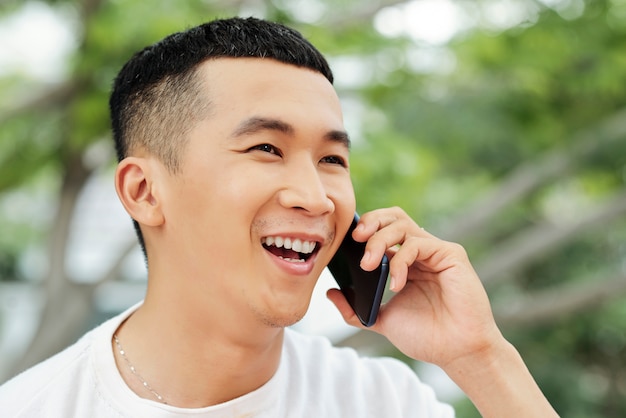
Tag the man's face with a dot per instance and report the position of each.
(264, 196)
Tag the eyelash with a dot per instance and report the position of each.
(336, 160)
(271, 149)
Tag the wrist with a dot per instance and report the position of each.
(498, 382)
(483, 362)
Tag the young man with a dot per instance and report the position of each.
(234, 167)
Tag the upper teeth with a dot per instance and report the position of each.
(305, 247)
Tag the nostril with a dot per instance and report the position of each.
(305, 194)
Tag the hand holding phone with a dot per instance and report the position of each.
(362, 289)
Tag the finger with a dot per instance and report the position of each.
(373, 221)
(344, 308)
(392, 235)
(403, 258)
(428, 255)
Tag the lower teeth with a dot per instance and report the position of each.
(296, 260)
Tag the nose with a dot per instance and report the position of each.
(305, 189)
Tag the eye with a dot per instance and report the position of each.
(269, 148)
(334, 159)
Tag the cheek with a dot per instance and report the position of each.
(223, 185)
(245, 180)
(341, 192)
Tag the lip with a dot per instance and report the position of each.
(301, 268)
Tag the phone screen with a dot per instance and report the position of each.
(363, 289)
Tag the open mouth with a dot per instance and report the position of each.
(290, 249)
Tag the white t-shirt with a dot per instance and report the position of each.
(314, 379)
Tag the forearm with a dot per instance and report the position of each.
(499, 385)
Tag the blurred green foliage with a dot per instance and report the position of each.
(434, 142)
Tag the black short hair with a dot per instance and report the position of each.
(157, 97)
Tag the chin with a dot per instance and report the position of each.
(275, 319)
(281, 322)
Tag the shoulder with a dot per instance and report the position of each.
(315, 354)
(61, 382)
(341, 378)
(33, 384)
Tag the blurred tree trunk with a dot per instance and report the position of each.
(67, 305)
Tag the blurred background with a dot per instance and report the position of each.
(499, 124)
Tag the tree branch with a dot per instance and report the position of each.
(62, 94)
(531, 175)
(57, 96)
(537, 241)
(562, 301)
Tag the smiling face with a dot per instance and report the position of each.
(263, 198)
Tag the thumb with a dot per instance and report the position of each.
(344, 308)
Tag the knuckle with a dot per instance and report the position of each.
(457, 250)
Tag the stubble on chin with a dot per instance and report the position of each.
(273, 320)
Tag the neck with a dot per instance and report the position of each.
(194, 365)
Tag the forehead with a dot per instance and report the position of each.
(239, 88)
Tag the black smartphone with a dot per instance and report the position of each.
(363, 289)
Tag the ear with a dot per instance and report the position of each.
(135, 189)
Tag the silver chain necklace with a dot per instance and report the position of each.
(134, 371)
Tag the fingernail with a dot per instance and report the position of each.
(392, 283)
(366, 257)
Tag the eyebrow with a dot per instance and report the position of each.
(257, 124)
